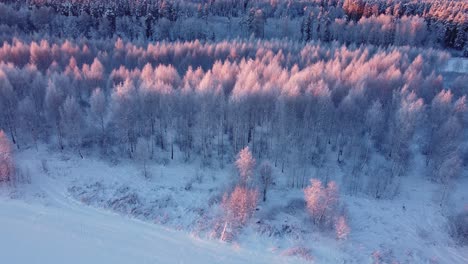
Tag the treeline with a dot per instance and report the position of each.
(378, 22)
(297, 105)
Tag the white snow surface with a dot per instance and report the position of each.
(43, 222)
(72, 233)
(66, 231)
(456, 64)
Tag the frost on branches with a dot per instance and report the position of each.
(239, 206)
(324, 208)
(245, 164)
(341, 228)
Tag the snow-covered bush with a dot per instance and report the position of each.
(125, 201)
(245, 164)
(44, 166)
(267, 229)
(238, 207)
(299, 251)
(324, 207)
(295, 206)
(458, 226)
(7, 164)
(322, 202)
(382, 256)
(341, 228)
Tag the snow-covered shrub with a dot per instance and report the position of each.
(382, 256)
(294, 206)
(93, 193)
(458, 226)
(128, 203)
(44, 166)
(7, 165)
(197, 178)
(324, 207)
(240, 204)
(269, 213)
(205, 222)
(299, 251)
(322, 202)
(238, 207)
(245, 164)
(267, 229)
(341, 228)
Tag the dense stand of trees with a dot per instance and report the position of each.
(297, 105)
(379, 22)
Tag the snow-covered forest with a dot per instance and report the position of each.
(380, 22)
(234, 119)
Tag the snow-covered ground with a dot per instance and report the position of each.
(72, 233)
(42, 223)
(456, 64)
(93, 211)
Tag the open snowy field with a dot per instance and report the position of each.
(50, 226)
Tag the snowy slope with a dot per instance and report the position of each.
(71, 233)
(51, 225)
(44, 224)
